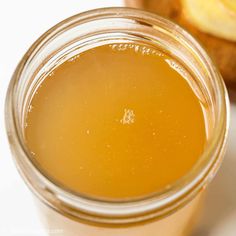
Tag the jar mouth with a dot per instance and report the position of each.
(128, 210)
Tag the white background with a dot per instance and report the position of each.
(21, 23)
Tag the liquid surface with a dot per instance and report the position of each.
(116, 121)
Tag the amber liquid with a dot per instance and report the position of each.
(116, 121)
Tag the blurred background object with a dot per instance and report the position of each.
(212, 22)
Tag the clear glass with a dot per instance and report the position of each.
(169, 212)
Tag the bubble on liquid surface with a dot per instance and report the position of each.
(51, 74)
(72, 59)
(177, 67)
(142, 49)
(32, 153)
(128, 117)
(30, 108)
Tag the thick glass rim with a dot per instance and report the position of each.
(156, 204)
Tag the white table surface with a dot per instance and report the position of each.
(21, 23)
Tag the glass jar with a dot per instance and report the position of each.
(169, 212)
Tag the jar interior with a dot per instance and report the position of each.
(54, 52)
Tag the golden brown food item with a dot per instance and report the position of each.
(212, 22)
(217, 17)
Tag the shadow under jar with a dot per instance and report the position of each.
(169, 211)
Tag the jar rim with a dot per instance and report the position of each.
(126, 211)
